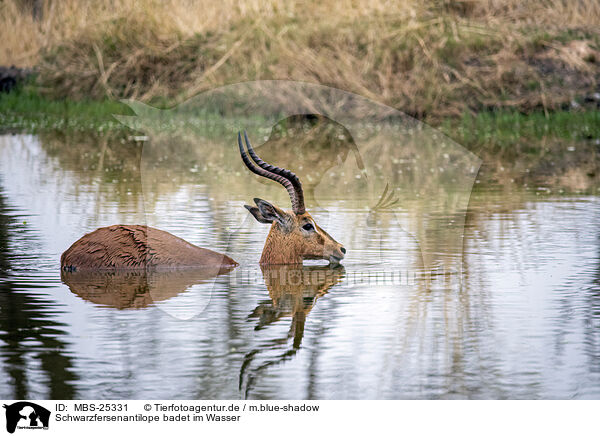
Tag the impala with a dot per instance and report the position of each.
(293, 237)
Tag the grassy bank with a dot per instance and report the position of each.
(26, 110)
(503, 129)
(431, 59)
(558, 151)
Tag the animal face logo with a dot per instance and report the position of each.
(352, 155)
(26, 415)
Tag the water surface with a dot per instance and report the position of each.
(518, 318)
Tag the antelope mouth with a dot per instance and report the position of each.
(335, 259)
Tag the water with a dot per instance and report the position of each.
(517, 317)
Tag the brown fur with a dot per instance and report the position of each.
(136, 247)
(292, 246)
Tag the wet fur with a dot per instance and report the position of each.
(291, 247)
(136, 247)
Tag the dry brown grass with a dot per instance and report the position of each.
(433, 57)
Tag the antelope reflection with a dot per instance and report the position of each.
(135, 289)
(293, 292)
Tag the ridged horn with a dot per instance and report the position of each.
(288, 179)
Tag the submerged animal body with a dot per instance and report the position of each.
(293, 237)
(137, 247)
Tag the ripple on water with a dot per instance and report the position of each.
(519, 318)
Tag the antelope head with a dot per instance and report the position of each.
(294, 235)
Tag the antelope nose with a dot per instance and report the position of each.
(343, 250)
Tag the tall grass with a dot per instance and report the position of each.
(23, 37)
(431, 57)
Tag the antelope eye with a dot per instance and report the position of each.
(308, 227)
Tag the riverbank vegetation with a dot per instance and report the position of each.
(514, 82)
(557, 151)
(431, 59)
(26, 110)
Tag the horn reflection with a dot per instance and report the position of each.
(293, 292)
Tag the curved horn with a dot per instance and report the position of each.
(282, 172)
(285, 177)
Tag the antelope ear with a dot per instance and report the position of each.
(257, 215)
(271, 213)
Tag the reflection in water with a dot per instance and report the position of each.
(32, 342)
(524, 324)
(592, 318)
(135, 289)
(293, 292)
